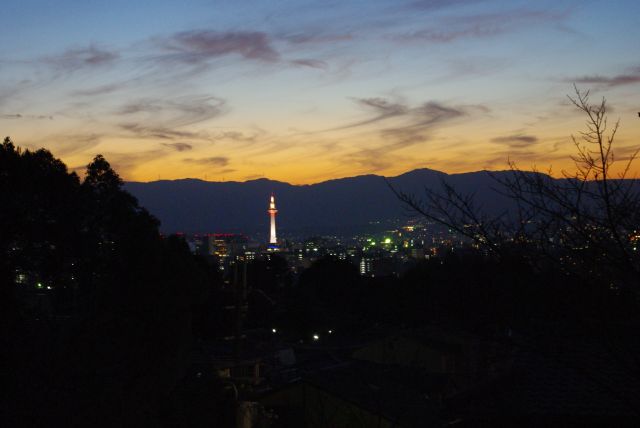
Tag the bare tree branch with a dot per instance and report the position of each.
(583, 222)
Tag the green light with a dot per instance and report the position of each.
(387, 240)
(39, 285)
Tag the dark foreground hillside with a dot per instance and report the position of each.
(106, 323)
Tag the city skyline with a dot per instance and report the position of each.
(303, 92)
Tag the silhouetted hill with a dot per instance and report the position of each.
(339, 205)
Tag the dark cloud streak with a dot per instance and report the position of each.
(75, 59)
(98, 90)
(75, 143)
(517, 141)
(383, 108)
(159, 132)
(480, 26)
(184, 110)
(25, 116)
(419, 123)
(432, 5)
(198, 46)
(312, 63)
(305, 38)
(180, 147)
(217, 161)
(630, 78)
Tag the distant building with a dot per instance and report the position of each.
(366, 266)
(199, 245)
(225, 245)
(417, 253)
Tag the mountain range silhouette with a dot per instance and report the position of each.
(344, 205)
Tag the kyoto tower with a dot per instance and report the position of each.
(273, 241)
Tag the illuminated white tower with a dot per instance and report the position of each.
(273, 240)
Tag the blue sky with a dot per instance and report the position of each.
(306, 91)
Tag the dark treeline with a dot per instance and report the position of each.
(468, 290)
(97, 307)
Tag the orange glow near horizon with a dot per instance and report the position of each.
(450, 150)
(302, 93)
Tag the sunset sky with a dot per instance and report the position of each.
(304, 91)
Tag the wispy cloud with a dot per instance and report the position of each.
(180, 147)
(525, 148)
(432, 113)
(383, 109)
(198, 46)
(235, 136)
(159, 132)
(516, 141)
(317, 38)
(414, 118)
(98, 90)
(532, 157)
(25, 116)
(143, 106)
(169, 119)
(74, 59)
(217, 161)
(373, 160)
(415, 125)
(179, 112)
(431, 5)
(126, 163)
(630, 78)
(239, 138)
(313, 63)
(453, 28)
(69, 144)
(423, 120)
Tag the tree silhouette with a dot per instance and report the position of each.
(327, 296)
(587, 223)
(574, 240)
(97, 306)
